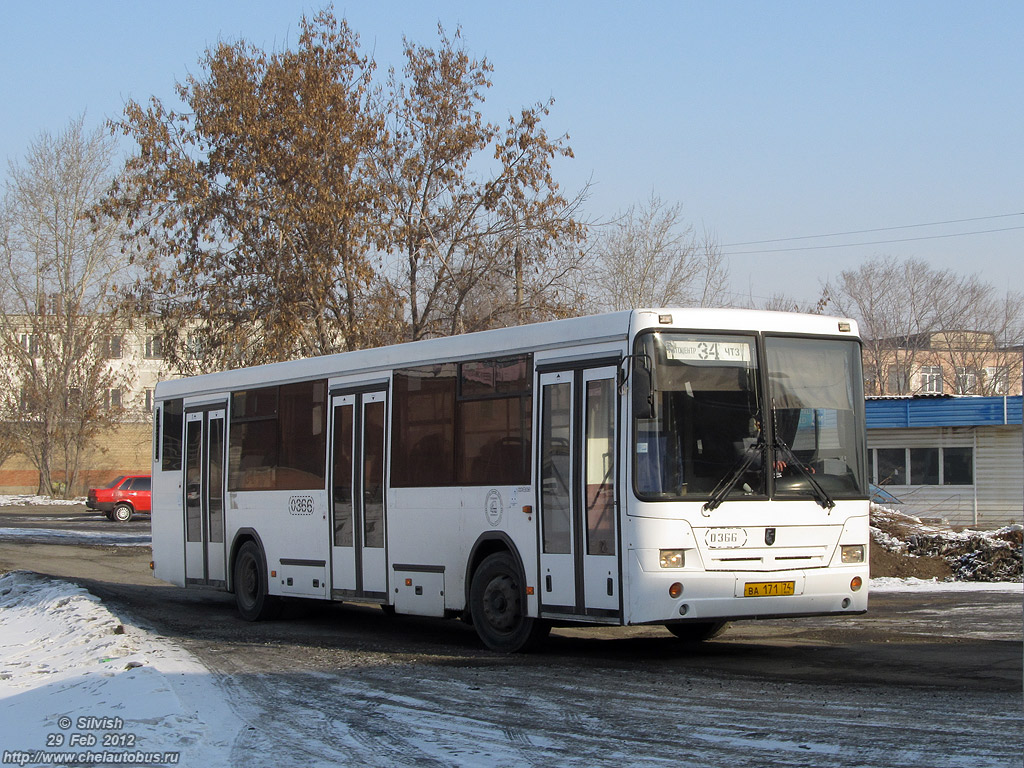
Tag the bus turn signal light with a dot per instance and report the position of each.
(675, 590)
(856, 583)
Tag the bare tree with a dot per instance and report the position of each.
(9, 442)
(58, 273)
(782, 302)
(650, 256)
(913, 316)
(541, 282)
(894, 305)
(462, 225)
(980, 337)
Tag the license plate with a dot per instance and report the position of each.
(769, 588)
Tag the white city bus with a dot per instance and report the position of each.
(675, 466)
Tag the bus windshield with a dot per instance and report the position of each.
(817, 406)
(706, 430)
(704, 417)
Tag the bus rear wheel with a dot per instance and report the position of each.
(250, 583)
(497, 601)
(697, 632)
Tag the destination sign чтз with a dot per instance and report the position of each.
(724, 351)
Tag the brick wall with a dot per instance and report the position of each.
(125, 449)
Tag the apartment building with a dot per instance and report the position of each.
(949, 362)
(134, 355)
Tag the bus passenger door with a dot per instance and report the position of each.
(205, 556)
(578, 496)
(358, 555)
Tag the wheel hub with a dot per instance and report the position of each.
(501, 603)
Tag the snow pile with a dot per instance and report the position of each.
(972, 555)
(74, 680)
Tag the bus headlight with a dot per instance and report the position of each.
(673, 558)
(852, 553)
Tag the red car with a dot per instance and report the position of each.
(123, 498)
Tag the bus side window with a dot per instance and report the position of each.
(173, 427)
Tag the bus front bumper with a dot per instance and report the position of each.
(685, 595)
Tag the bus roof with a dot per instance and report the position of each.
(553, 334)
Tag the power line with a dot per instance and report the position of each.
(879, 229)
(871, 242)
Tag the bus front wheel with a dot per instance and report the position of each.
(251, 596)
(497, 601)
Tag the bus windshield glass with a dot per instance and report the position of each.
(704, 429)
(817, 405)
(703, 421)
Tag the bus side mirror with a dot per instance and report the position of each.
(643, 391)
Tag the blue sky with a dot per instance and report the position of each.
(764, 120)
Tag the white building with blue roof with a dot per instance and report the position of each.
(959, 459)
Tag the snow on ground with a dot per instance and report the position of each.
(26, 500)
(886, 584)
(53, 536)
(74, 679)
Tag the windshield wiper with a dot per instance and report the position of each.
(820, 494)
(727, 483)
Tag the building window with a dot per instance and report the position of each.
(966, 380)
(30, 400)
(928, 466)
(154, 347)
(112, 347)
(997, 379)
(931, 379)
(30, 344)
(112, 399)
(958, 466)
(892, 466)
(195, 347)
(924, 466)
(897, 380)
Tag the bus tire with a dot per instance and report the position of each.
(697, 632)
(497, 600)
(250, 582)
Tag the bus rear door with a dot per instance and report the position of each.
(205, 557)
(358, 553)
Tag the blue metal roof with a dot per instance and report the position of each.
(942, 411)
